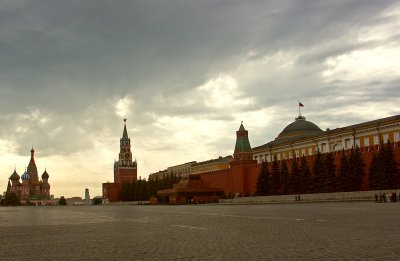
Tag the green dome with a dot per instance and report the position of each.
(298, 129)
(45, 175)
(14, 176)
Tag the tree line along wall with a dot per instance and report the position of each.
(229, 179)
(367, 157)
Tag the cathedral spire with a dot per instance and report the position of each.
(32, 163)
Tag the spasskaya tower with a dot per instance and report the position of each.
(125, 170)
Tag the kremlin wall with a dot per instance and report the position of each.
(238, 175)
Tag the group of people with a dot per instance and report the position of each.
(384, 197)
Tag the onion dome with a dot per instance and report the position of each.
(25, 176)
(14, 176)
(298, 129)
(45, 175)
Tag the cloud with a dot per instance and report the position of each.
(122, 107)
(185, 74)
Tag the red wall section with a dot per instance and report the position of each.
(242, 178)
(111, 191)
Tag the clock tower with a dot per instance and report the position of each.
(125, 170)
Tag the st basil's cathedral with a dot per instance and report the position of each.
(31, 189)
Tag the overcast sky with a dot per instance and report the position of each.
(184, 74)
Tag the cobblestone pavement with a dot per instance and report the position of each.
(314, 231)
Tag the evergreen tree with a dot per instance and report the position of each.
(390, 172)
(330, 172)
(343, 181)
(62, 201)
(318, 174)
(373, 174)
(356, 169)
(284, 178)
(275, 182)
(132, 191)
(262, 186)
(295, 178)
(305, 174)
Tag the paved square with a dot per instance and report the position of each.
(313, 231)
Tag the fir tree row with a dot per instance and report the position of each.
(324, 176)
(141, 190)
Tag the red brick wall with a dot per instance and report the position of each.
(241, 178)
(123, 175)
(111, 191)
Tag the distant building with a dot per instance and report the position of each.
(31, 189)
(125, 170)
(87, 196)
(75, 201)
(211, 165)
(180, 170)
(193, 167)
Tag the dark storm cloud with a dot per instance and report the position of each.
(63, 56)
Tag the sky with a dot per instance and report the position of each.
(184, 74)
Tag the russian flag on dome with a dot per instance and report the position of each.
(301, 105)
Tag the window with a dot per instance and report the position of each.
(357, 142)
(278, 156)
(385, 138)
(366, 141)
(303, 152)
(348, 143)
(396, 136)
(376, 140)
(290, 154)
(337, 146)
(309, 151)
(323, 147)
(297, 153)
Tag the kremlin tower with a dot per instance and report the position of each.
(125, 170)
(242, 152)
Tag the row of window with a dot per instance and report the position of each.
(335, 146)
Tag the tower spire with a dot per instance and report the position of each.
(242, 147)
(125, 133)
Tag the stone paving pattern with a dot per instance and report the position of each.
(314, 231)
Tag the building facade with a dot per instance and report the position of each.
(211, 165)
(125, 169)
(302, 138)
(31, 189)
(193, 167)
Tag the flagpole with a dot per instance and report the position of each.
(299, 110)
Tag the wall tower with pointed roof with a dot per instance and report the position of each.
(125, 170)
(242, 147)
